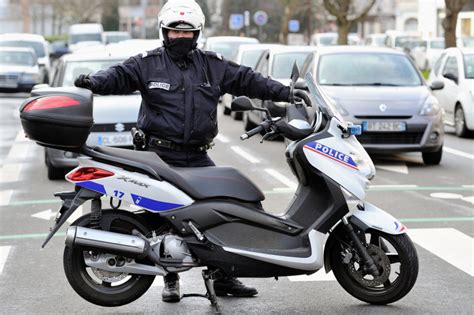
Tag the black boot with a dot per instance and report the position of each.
(231, 286)
(171, 290)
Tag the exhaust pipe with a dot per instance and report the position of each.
(128, 245)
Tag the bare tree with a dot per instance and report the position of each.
(347, 14)
(449, 23)
(72, 11)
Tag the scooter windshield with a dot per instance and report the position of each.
(324, 102)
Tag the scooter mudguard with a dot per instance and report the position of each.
(377, 219)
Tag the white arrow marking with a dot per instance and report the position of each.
(4, 251)
(458, 153)
(5, 197)
(45, 215)
(49, 214)
(448, 244)
(397, 168)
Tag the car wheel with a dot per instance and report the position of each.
(460, 122)
(54, 173)
(432, 158)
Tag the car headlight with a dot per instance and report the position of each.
(29, 77)
(430, 107)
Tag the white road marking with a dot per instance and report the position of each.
(5, 196)
(448, 244)
(4, 251)
(18, 151)
(10, 172)
(320, 275)
(397, 168)
(392, 186)
(20, 136)
(442, 195)
(222, 138)
(49, 214)
(245, 155)
(281, 178)
(458, 153)
(45, 215)
(469, 199)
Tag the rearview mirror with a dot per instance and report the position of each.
(241, 104)
(437, 85)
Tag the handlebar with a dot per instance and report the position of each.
(262, 127)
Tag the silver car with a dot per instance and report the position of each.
(381, 90)
(19, 70)
(114, 115)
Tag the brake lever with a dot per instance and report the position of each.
(267, 135)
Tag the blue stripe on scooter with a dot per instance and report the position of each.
(92, 186)
(153, 204)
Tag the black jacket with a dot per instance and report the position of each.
(179, 103)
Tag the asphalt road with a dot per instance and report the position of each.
(434, 202)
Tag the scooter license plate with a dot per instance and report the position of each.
(115, 139)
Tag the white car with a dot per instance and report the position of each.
(455, 68)
(247, 55)
(330, 39)
(376, 39)
(19, 70)
(427, 52)
(227, 46)
(37, 43)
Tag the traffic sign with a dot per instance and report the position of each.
(236, 21)
(294, 26)
(260, 18)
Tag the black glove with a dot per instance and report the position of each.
(83, 81)
(298, 96)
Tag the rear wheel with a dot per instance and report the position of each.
(102, 287)
(396, 260)
(432, 158)
(460, 122)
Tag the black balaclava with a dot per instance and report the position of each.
(179, 48)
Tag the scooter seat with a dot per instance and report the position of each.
(197, 182)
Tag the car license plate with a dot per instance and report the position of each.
(384, 126)
(8, 84)
(115, 139)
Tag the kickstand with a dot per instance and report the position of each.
(210, 294)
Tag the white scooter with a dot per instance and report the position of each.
(212, 216)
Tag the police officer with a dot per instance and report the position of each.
(180, 87)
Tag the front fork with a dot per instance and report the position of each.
(71, 201)
(368, 261)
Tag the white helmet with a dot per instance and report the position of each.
(180, 15)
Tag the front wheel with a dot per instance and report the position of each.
(102, 287)
(396, 260)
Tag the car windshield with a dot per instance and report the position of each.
(92, 37)
(405, 41)
(226, 49)
(74, 68)
(468, 42)
(283, 63)
(328, 40)
(379, 41)
(250, 58)
(437, 44)
(37, 46)
(370, 69)
(23, 58)
(469, 66)
(117, 38)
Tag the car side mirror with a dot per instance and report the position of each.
(241, 104)
(437, 85)
(451, 76)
